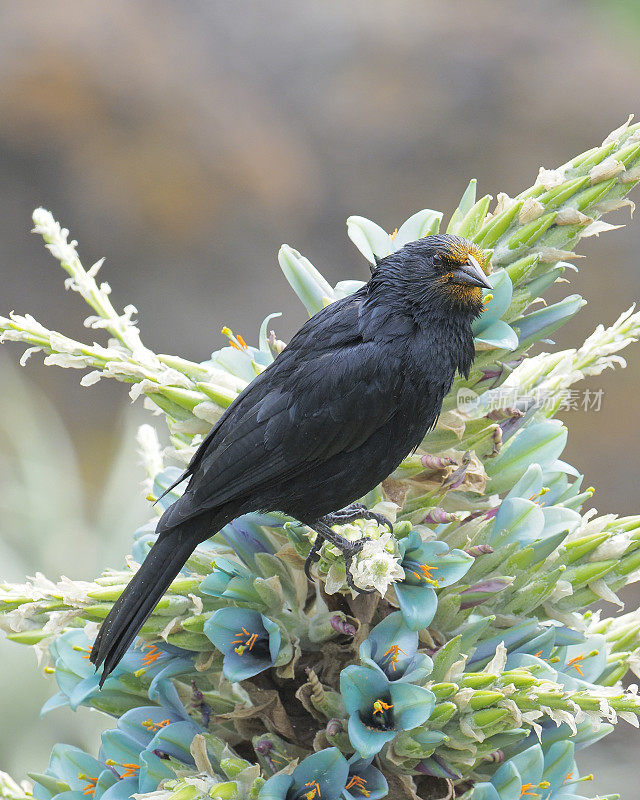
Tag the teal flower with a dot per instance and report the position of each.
(73, 772)
(321, 776)
(537, 443)
(489, 330)
(379, 708)
(524, 517)
(426, 565)
(577, 666)
(250, 642)
(394, 649)
(364, 781)
(584, 663)
(534, 772)
(134, 757)
(78, 680)
(528, 637)
(153, 738)
(246, 536)
(230, 580)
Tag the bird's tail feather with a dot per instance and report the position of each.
(163, 562)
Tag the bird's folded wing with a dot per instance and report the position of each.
(311, 409)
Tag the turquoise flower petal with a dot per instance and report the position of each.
(498, 335)
(360, 686)
(276, 788)
(517, 520)
(423, 223)
(542, 443)
(418, 604)
(558, 763)
(530, 764)
(345, 288)
(529, 485)
(558, 519)
(392, 632)
(121, 790)
(367, 741)
(412, 705)
(484, 791)
(375, 785)
(328, 768)
(153, 769)
(502, 291)
(232, 631)
(239, 667)
(508, 782)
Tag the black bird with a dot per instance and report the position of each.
(355, 391)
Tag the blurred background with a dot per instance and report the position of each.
(185, 141)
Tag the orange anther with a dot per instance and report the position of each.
(153, 655)
(359, 783)
(131, 770)
(574, 662)
(379, 707)
(314, 791)
(393, 650)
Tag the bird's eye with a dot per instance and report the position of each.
(438, 260)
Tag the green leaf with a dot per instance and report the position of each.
(371, 240)
(424, 223)
(464, 206)
(305, 280)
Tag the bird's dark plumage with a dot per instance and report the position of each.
(355, 391)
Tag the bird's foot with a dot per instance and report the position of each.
(355, 511)
(324, 532)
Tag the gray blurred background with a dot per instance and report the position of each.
(185, 141)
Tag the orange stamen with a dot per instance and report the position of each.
(358, 782)
(394, 650)
(574, 662)
(251, 639)
(85, 650)
(90, 788)
(131, 770)
(379, 707)
(393, 235)
(153, 655)
(426, 570)
(150, 725)
(314, 791)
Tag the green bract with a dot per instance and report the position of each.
(475, 666)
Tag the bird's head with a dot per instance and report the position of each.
(444, 271)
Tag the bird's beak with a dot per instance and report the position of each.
(471, 274)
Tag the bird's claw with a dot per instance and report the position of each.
(356, 511)
(348, 549)
(313, 557)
